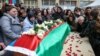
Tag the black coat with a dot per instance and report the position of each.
(82, 27)
(58, 16)
(94, 36)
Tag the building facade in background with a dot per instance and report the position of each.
(49, 3)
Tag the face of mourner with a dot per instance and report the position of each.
(13, 12)
(80, 20)
(32, 18)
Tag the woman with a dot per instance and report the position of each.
(67, 14)
(22, 14)
(58, 13)
(29, 21)
(39, 18)
(49, 16)
(46, 14)
(77, 13)
(70, 20)
(10, 25)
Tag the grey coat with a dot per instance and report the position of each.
(11, 28)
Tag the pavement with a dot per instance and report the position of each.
(76, 46)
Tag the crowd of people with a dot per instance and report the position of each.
(17, 19)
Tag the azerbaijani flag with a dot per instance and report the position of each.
(51, 45)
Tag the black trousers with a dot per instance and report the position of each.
(95, 43)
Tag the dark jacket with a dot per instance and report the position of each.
(92, 31)
(58, 16)
(47, 17)
(81, 28)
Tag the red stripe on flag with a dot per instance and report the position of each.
(10, 1)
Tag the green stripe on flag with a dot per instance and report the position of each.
(52, 44)
(7, 1)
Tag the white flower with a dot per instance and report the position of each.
(55, 24)
(32, 32)
(40, 31)
(51, 21)
(46, 28)
(40, 35)
(43, 25)
(24, 33)
(45, 22)
(29, 32)
(58, 20)
(39, 25)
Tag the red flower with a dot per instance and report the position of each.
(66, 42)
(78, 50)
(81, 42)
(81, 54)
(72, 37)
(74, 54)
(68, 54)
(77, 46)
(70, 48)
(66, 51)
(70, 45)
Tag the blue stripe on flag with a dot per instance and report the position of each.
(12, 44)
(13, 1)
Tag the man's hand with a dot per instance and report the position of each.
(2, 44)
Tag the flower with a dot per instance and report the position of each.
(51, 22)
(46, 22)
(43, 25)
(46, 28)
(59, 21)
(40, 29)
(40, 33)
(55, 24)
(39, 25)
(30, 32)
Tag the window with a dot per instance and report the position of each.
(30, 3)
(68, 2)
(48, 2)
(45, 2)
(61, 2)
(84, 3)
(52, 2)
(73, 3)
